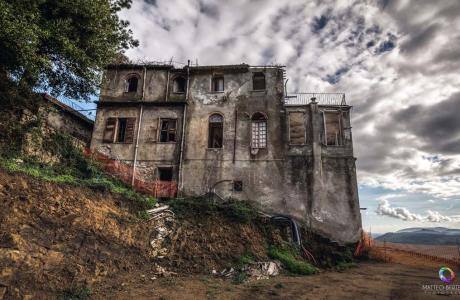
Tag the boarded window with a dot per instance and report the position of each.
(296, 128)
(131, 84)
(218, 84)
(109, 130)
(179, 85)
(167, 130)
(258, 81)
(216, 131)
(332, 128)
(258, 131)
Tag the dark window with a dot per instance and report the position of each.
(179, 85)
(258, 81)
(258, 131)
(167, 130)
(216, 131)
(165, 174)
(121, 130)
(218, 84)
(132, 84)
(238, 185)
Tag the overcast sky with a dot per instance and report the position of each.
(397, 62)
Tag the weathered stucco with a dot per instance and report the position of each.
(308, 180)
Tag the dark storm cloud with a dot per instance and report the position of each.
(437, 125)
(420, 40)
(209, 9)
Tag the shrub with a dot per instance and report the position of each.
(82, 293)
(291, 261)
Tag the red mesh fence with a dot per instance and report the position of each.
(445, 254)
(124, 172)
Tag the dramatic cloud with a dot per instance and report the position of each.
(397, 62)
(384, 209)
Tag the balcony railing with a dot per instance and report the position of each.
(333, 99)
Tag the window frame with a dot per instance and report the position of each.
(128, 78)
(263, 120)
(304, 128)
(221, 128)
(168, 130)
(213, 79)
(264, 78)
(175, 79)
(340, 136)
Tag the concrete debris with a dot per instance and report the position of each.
(227, 272)
(163, 224)
(262, 270)
(162, 272)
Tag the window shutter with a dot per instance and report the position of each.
(153, 130)
(130, 125)
(109, 131)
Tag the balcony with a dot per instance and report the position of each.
(328, 99)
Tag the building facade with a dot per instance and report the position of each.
(232, 130)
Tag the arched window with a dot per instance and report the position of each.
(258, 131)
(179, 85)
(258, 81)
(131, 84)
(216, 131)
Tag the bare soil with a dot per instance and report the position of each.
(55, 238)
(370, 280)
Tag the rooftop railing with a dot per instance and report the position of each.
(333, 99)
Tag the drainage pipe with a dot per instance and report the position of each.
(139, 127)
(182, 142)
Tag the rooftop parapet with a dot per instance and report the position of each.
(332, 99)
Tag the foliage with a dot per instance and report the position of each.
(341, 266)
(76, 294)
(234, 210)
(246, 259)
(291, 260)
(61, 46)
(96, 180)
(240, 278)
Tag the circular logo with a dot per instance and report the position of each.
(446, 274)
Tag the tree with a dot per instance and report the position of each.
(61, 46)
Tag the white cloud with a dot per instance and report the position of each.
(385, 209)
(386, 58)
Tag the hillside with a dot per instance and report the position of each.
(424, 236)
(65, 239)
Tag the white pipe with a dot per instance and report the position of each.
(139, 128)
(182, 142)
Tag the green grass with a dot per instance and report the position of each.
(245, 259)
(98, 181)
(341, 266)
(76, 294)
(291, 261)
(234, 210)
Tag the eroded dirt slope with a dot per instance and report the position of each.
(59, 237)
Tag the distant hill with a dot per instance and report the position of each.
(423, 235)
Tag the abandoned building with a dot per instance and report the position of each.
(233, 130)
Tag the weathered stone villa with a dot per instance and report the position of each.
(232, 129)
